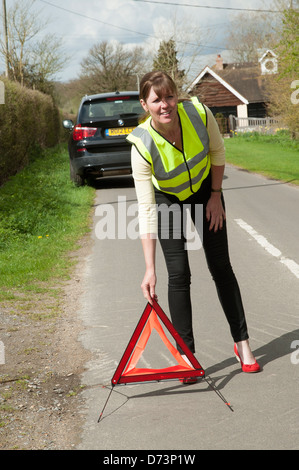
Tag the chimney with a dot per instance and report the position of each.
(219, 62)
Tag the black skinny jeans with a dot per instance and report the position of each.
(215, 246)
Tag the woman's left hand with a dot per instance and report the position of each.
(215, 212)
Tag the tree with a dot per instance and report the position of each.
(31, 62)
(166, 60)
(248, 33)
(287, 48)
(45, 62)
(181, 37)
(112, 66)
(284, 100)
(20, 28)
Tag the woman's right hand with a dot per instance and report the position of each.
(149, 281)
(148, 286)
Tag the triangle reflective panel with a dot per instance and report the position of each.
(127, 372)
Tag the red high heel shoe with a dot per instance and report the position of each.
(246, 367)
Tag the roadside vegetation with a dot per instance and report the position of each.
(43, 220)
(43, 215)
(274, 156)
(29, 118)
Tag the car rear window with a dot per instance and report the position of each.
(111, 107)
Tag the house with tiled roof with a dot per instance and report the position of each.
(235, 89)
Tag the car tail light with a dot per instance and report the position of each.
(80, 133)
(116, 98)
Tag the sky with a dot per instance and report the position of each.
(81, 24)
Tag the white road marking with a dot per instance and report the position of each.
(289, 263)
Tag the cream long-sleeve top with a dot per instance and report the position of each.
(142, 174)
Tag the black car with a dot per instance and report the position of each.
(97, 144)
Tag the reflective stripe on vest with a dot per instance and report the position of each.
(174, 171)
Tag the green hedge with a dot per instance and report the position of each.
(28, 119)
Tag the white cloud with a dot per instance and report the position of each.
(132, 22)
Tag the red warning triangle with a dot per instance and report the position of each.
(127, 372)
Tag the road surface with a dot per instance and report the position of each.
(263, 227)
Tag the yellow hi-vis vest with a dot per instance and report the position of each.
(174, 171)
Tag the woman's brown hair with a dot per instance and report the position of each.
(159, 81)
(161, 84)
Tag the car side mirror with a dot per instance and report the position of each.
(68, 124)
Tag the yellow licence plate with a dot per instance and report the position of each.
(119, 131)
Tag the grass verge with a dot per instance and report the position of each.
(274, 156)
(42, 217)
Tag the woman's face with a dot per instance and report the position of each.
(162, 110)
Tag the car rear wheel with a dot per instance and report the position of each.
(77, 179)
